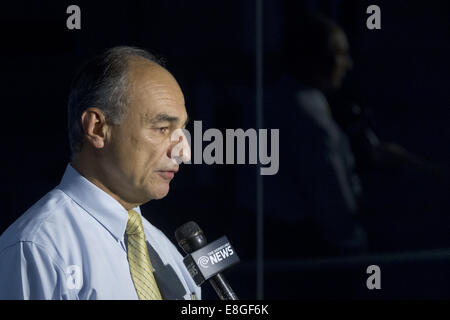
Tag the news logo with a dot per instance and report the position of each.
(203, 261)
(210, 260)
(216, 256)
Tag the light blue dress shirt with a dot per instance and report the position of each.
(70, 245)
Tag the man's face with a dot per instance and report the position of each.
(138, 153)
(342, 62)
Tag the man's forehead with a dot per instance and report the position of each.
(156, 83)
(155, 92)
(159, 89)
(145, 71)
(162, 106)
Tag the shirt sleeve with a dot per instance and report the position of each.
(335, 205)
(28, 272)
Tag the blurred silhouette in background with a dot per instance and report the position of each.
(318, 180)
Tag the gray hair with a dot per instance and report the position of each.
(102, 82)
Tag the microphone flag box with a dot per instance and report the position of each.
(208, 261)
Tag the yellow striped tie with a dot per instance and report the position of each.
(140, 266)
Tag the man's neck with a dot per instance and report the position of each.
(95, 174)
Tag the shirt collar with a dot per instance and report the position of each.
(104, 208)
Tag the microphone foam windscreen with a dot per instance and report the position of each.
(186, 231)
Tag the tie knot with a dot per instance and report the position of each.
(134, 224)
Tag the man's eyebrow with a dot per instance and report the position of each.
(164, 117)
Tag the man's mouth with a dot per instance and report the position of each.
(167, 174)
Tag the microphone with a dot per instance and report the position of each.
(204, 261)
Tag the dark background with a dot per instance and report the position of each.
(400, 77)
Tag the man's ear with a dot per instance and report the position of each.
(94, 126)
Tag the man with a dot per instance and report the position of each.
(319, 197)
(87, 239)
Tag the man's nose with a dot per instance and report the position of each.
(180, 151)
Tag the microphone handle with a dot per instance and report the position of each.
(222, 288)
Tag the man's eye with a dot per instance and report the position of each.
(164, 129)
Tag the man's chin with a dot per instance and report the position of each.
(160, 193)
